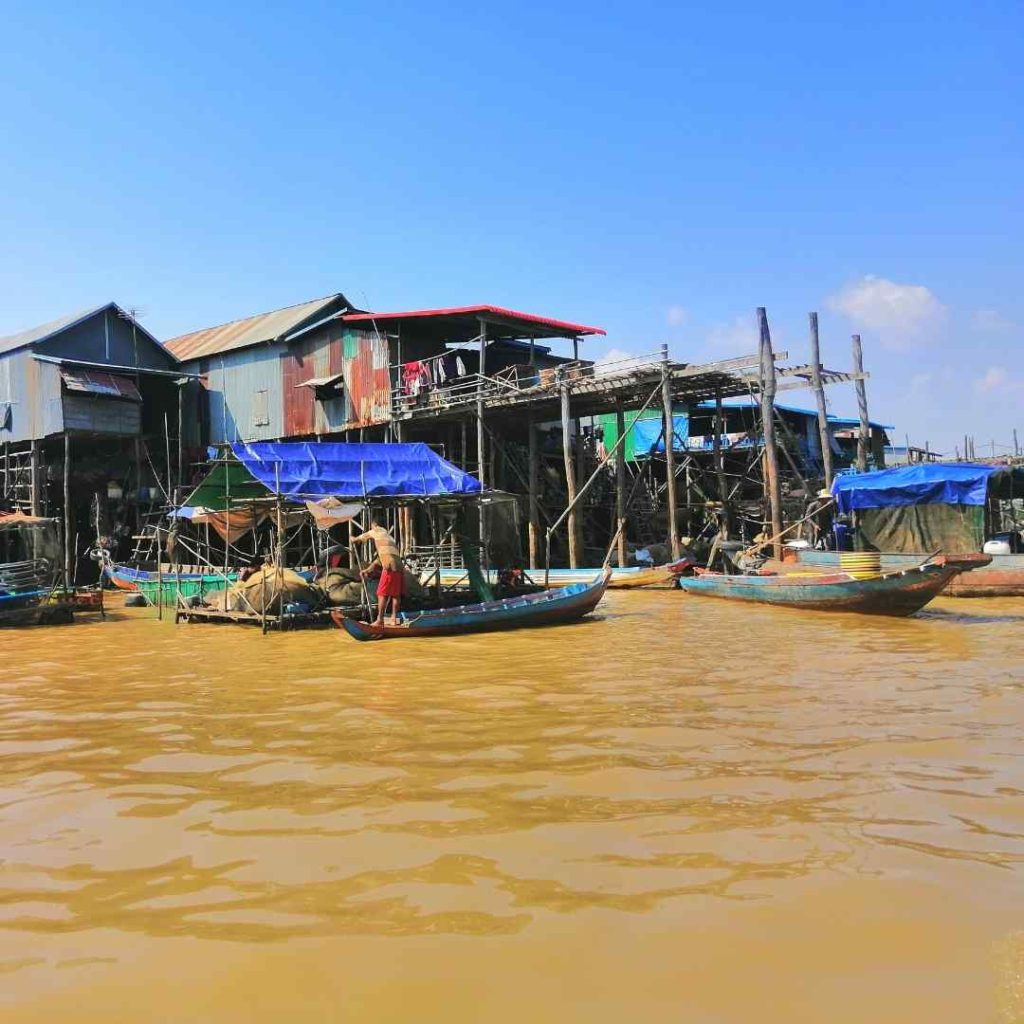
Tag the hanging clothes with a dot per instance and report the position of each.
(415, 376)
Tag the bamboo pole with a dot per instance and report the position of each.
(771, 457)
(570, 481)
(862, 405)
(726, 524)
(819, 396)
(34, 478)
(670, 455)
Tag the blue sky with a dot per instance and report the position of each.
(659, 171)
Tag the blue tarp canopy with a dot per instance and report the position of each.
(311, 469)
(649, 435)
(926, 483)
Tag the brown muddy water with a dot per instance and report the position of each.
(684, 810)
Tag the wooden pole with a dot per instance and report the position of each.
(480, 453)
(570, 480)
(819, 395)
(670, 456)
(862, 406)
(181, 422)
(34, 478)
(726, 523)
(1016, 446)
(620, 481)
(533, 457)
(67, 510)
(771, 455)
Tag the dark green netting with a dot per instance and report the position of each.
(954, 529)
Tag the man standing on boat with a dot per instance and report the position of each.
(391, 586)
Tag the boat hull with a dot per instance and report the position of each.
(548, 608)
(625, 578)
(1002, 577)
(898, 593)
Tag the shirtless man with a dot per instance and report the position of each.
(391, 585)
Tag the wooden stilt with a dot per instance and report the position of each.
(819, 396)
(862, 406)
(726, 522)
(533, 459)
(771, 456)
(620, 481)
(481, 454)
(34, 495)
(670, 457)
(68, 560)
(570, 480)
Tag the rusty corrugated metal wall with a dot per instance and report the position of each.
(367, 379)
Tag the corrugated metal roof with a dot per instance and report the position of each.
(44, 332)
(253, 330)
(95, 382)
(469, 316)
(48, 330)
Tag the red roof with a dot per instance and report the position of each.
(505, 317)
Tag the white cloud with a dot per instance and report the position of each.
(991, 321)
(617, 360)
(738, 337)
(920, 384)
(996, 379)
(676, 316)
(899, 313)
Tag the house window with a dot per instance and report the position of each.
(260, 409)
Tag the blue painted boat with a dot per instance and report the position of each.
(900, 592)
(625, 578)
(548, 608)
(30, 566)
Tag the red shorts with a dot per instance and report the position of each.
(392, 584)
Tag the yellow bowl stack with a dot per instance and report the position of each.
(861, 565)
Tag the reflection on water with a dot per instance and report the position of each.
(635, 786)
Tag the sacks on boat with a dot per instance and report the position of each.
(266, 590)
(341, 587)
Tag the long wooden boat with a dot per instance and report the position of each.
(150, 583)
(547, 608)
(898, 592)
(623, 578)
(1002, 576)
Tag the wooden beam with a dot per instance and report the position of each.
(670, 455)
(480, 454)
(773, 492)
(34, 495)
(862, 406)
(570, 480)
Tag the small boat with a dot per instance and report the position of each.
(1000, 576)
(899, 592)
(149, 583)
(624, 578)
(547, 608)
(30, 560)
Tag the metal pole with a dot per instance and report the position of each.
(819, 395)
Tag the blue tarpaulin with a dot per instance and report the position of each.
(309, 469)
(649, 435)
(926, 483)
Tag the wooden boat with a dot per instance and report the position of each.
(149, 583)
(547, 608)
(898, 592)
(623, 578)
(30, 560)
(1002, 577)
